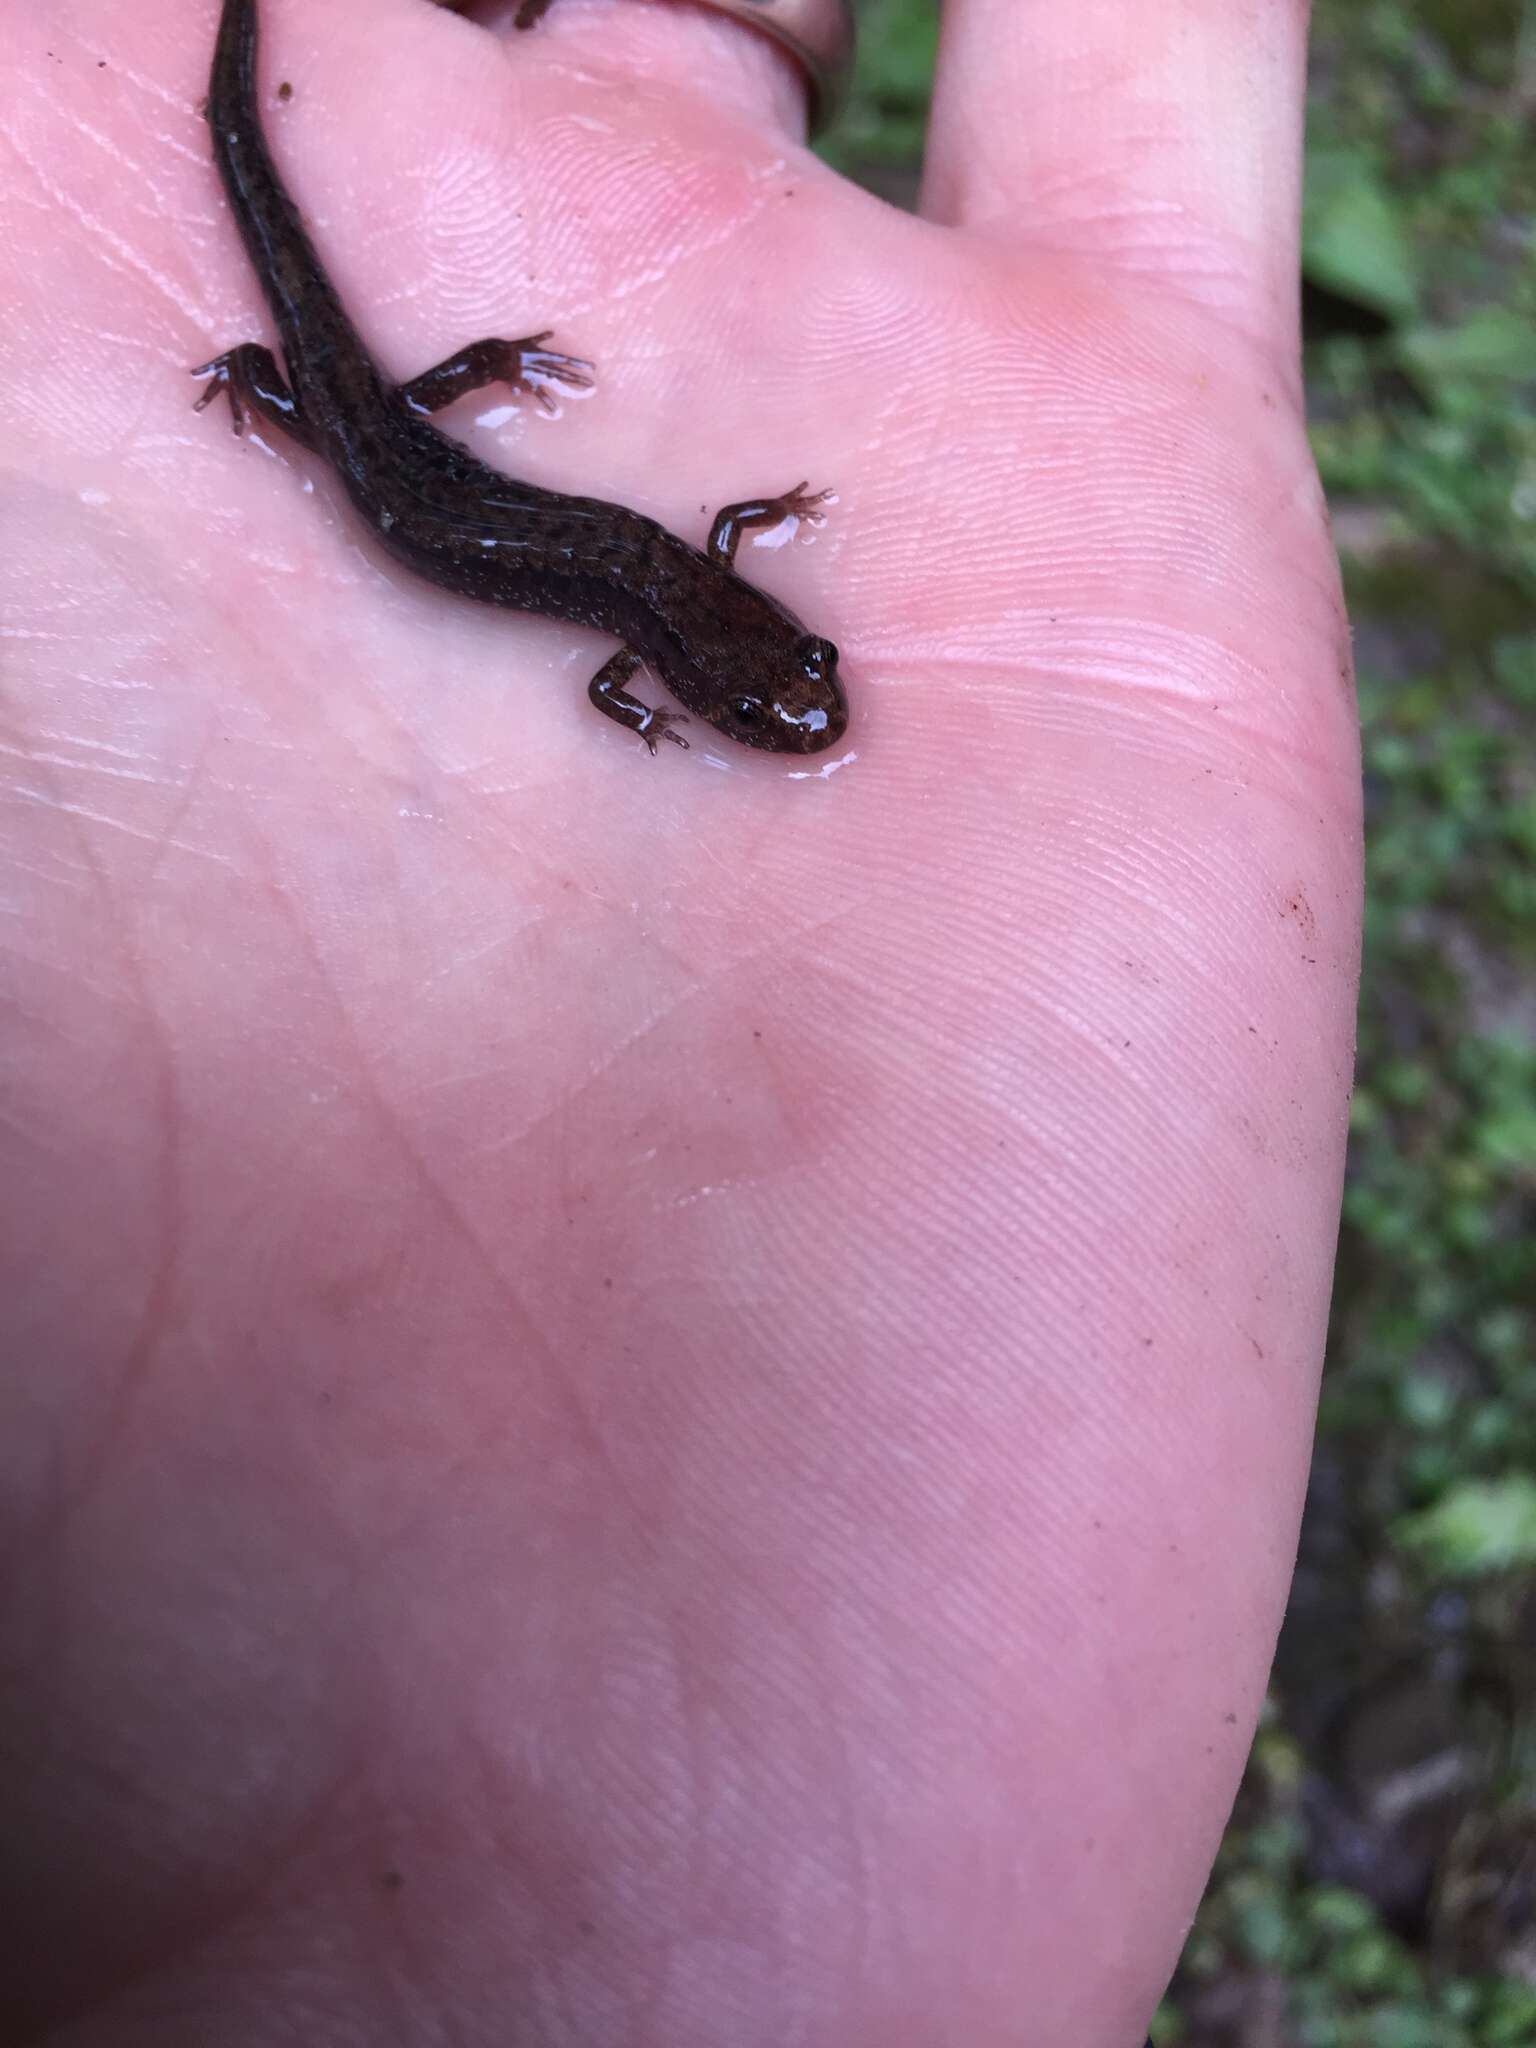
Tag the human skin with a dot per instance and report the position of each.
(644, 1405)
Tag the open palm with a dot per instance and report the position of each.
(658, 1402)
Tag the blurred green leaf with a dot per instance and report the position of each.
(1476, 1527)
(1493, 344)
(1507, 1140)
(1261, 1918)
(1339, 1913)
(1514, 665)
(887, 109)
(1511, 2018)
(1353, 239)
(1406, 2026)
(1424, 1402)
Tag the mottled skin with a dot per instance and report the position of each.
(732, 654)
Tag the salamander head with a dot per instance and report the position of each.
(798, 709)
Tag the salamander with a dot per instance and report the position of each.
(733, 656)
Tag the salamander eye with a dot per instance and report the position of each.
(746, 712)
(817, 657)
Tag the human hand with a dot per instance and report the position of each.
(653, 1402)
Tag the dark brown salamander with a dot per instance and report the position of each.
(733, 655)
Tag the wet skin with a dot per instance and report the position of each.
(729, 652)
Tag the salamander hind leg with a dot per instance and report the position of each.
(608, 693)
(525, 365)
(733, 521)
(249, 378)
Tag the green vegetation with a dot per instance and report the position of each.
(881, 130)
(1377, 1888)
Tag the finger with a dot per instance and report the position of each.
(718, 63)
(1163, 135)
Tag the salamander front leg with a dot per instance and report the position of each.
(608, 693)
(249, 378)
(732, 521)
(526, 365)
